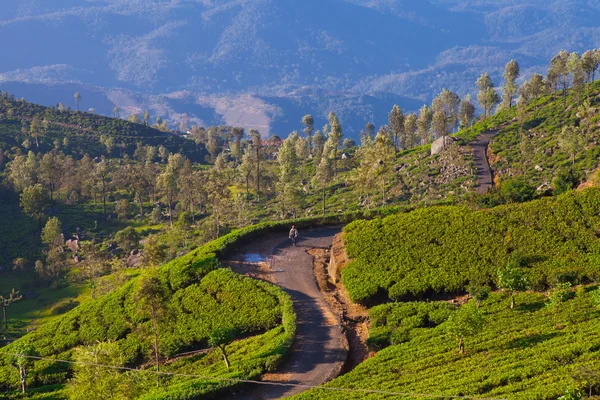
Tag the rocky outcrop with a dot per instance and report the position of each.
(440, 144)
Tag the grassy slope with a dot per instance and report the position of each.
(520, 354)
(542, 128)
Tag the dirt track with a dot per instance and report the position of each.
(485, 179)
(319, 349)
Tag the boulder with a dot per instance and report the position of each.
(438, 145)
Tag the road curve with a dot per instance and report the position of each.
(485, 177)
(319, 350)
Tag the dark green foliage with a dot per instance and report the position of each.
(564, 180)
(84, 131)
(443, 249)
(516, 190)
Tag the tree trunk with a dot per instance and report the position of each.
(247, 185)
(5, 319)
(323, 201)
(23, 377)
(155, 328)
(257, 174)
(225, 358)
(170, 213)
(461, 345)
(37, 144)
(104, 206)
(512, 301)
(141, 205)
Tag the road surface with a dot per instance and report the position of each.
(319, 350)
(485, 176)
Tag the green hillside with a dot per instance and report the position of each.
(443, 249)
(78, 133)
(198, 299)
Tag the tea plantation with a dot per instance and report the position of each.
(532, 352)
(199, 298)
(442, 249)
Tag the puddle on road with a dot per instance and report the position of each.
(254, 258)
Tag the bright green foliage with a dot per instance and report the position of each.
(513, 278)
(517, 355)
(465, 322)
(396, 323)
(92, 382)
(198, 299)
(443, 249)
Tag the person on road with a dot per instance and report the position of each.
(293, 234)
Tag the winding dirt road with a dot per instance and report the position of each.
(320, 349)
(485, 178)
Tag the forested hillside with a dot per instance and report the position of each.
(95, 209)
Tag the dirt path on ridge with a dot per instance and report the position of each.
(485, 176)
(320, 349)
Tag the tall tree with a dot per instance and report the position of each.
(5, 302)
(77, 97)
(103, 181)
(22, 359)
(396, 123)
(446, 105)
(511, 73)
(487, 96)
(410, 129)
(335, 138)
(116, 112)
(146, 117)
(288, 174)
(323, 174)
(570, 141)
(559, 71)
(466, 113)
(238, 134)
(574, 66)
(309, 127)
(424, 124)
(36, 129)
(317, 146)
(34, 202)
(535, 89)
(151, 296)
(168, 181)
(258, 155)
(376, 162)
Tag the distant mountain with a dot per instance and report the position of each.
(265, 63)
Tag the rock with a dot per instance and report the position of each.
(73, 245)
(545, 189)
(538, 168)
(135, 260)
(438, 145)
